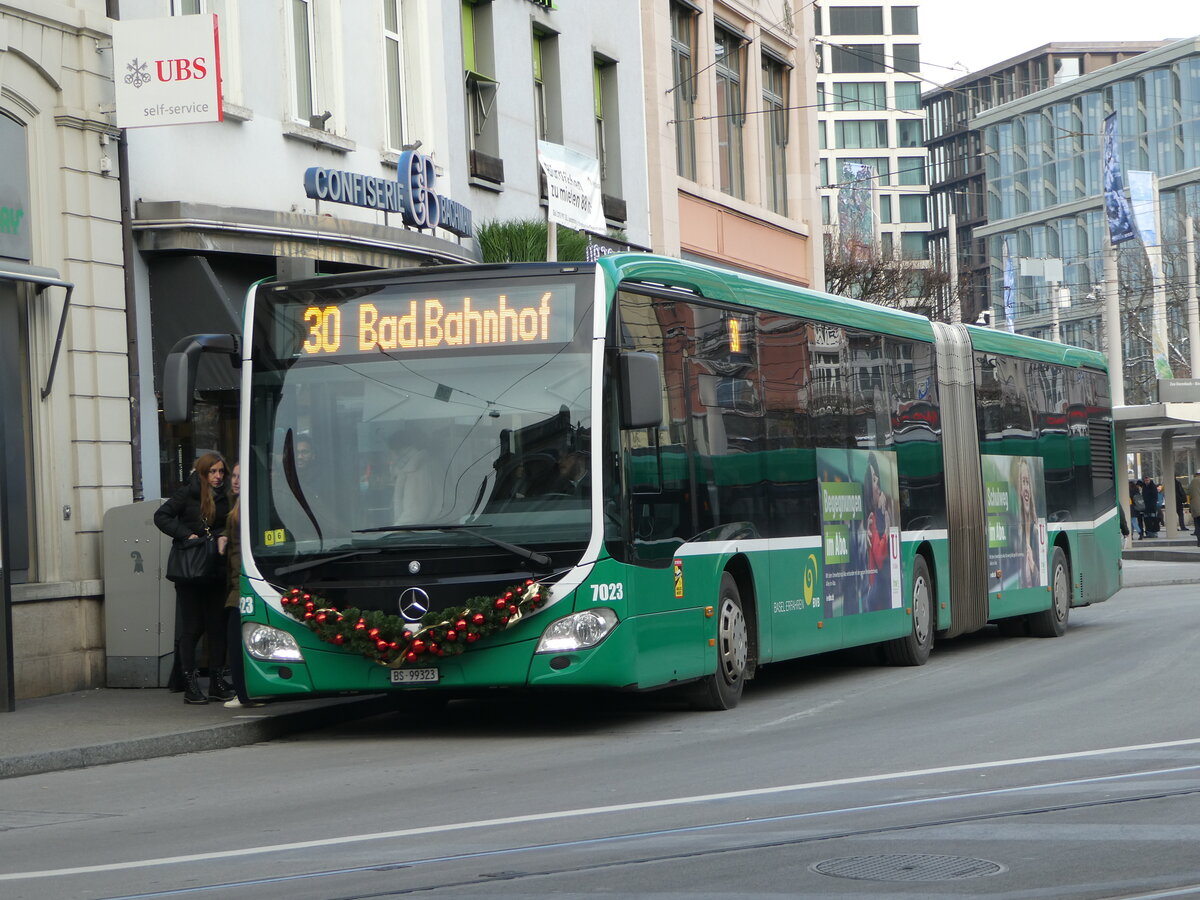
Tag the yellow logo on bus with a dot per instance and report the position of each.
(678, 568)
(810, 578)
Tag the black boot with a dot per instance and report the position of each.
(218, 687)
(191, 688)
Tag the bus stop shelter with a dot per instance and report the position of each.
(1159, 428)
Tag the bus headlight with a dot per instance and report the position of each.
(265, 642)
(578, 631)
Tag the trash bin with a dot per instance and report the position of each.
(139, 603)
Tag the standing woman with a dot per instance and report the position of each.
(231, 546)
(200, 505)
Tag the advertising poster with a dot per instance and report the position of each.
(1116, 207)
(856, 222)
(860, 530)
(1010, 289)
(1015, 503)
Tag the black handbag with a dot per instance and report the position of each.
(194, 561)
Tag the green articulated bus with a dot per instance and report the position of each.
(642, 472)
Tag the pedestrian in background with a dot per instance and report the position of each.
(231, 546)
(200, 506)
(1194, 502)
(1136, 507)
(1150, 502)
(1180, 499)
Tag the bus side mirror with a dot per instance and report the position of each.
(641, 390)
(179, 371)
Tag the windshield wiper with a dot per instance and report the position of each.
(539, 559)
(313, 563)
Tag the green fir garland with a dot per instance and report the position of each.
(390, 641)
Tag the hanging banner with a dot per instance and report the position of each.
(856, 224)
(1010, 288)
(572, 188)
(167, 71)
(1143, 200)
(1143, 196)
(1116, 207)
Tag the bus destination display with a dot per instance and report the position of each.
(509, 317)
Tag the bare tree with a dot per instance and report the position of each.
(866, 274)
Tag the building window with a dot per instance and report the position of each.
(914, 245)
(885, 244)
(302, 59)
(855, 20)
(858, 58)
(775, 126)
(879, 165)
(908, 95)
(539, 89)
(608, 135)
(912, 208)
(856, 96)
(906, 57)
(825, 210)
(479, 66)
(187, 7)
(904, 20)
(393, 52)
(731, 112)
(908, 132)
(861, 133)
(911, 169)
(885, 209)
(683, 73)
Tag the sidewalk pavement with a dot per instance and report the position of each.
(107, 725)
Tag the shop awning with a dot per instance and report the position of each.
(11, 270)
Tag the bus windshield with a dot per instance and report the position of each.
(393, 417)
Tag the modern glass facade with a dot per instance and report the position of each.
(1044, 205)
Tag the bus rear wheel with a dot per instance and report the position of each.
(914, 648)
(1052, 622)
(723, 688)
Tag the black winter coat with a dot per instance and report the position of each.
(179, 516)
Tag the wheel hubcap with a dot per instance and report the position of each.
(733, 640)
(1061, 593)
(921, 610)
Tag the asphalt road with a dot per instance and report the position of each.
(1016, 768)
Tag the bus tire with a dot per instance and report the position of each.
(914, 648)
(1052, 622)
(723, 688)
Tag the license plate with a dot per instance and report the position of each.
(415, 676)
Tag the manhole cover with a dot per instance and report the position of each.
(907, 867)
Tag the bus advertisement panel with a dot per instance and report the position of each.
(1016, 520)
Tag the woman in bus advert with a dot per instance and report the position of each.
(880, 516)
(1015, 505)
(1028, 535)
(199, 507)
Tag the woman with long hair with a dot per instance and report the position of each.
(200, 506)
(231, 545)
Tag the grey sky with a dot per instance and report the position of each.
(977, 35)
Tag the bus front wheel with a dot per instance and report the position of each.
(914, 648)
(723, 688)
(1052, 622)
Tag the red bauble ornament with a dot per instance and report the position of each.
(407, 635)
(307, 616)
(512, 610)
(435, 649)
(418, 646)
(477, 619)
(433, 635)
(472, 637)
(410, 656)
(360, 626)
(374, 632)
(504, 620)
(452, 635)
(339, 639)
(393, 645)
(381, 645)
(321, 617)
(308, 596)
(310, 606)
(501, 603)
(461, 625)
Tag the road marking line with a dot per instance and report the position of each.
(586, 811)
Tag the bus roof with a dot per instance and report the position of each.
(738, 288)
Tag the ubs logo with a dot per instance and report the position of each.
(414, 603)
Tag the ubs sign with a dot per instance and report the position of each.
(15, 241)
(411, 193)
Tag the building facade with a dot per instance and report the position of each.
(1046, 226)
(731, 139)
(957, 182)
(63, 390)
(872, 151)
